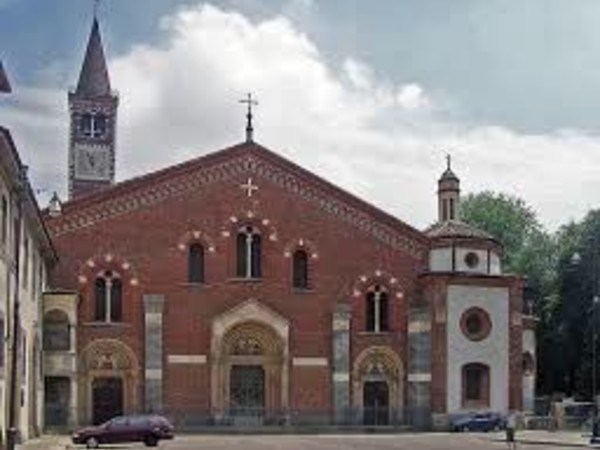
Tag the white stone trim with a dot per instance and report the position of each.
(419, 326)
(186, 359)
(342, 377)
(310, 361)
(419, 377)
(153, 374)
(153, 318)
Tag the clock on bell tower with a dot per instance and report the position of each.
(93, 116)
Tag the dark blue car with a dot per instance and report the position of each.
(481, 421)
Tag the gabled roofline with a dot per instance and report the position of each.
(190, 166)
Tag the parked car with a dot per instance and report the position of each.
(480, 421)
(148, 429)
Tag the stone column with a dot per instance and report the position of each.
(153, 345)
(341, 363)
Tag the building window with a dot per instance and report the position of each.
(196, 263)
(528, 364)
(452, 217)
(300, 270)
(4, 224)
(249, 253)
(377, 309)
(471, 260)
(93, 125)
(57, 335)
(475, 324)
(25, 274)
(476, 385)
(108, 297)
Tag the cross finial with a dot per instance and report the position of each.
(96, 5)
(449, 161)
(249, 129)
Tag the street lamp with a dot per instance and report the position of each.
(576, 260)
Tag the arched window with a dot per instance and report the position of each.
(93, 125)
(476, 385)
(377, 310)
(57, 334)
(108, 297)
(196, 263)
(248, 245)
(300, 270)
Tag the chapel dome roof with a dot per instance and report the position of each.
(456, 229)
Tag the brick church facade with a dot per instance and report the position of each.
(239, 288)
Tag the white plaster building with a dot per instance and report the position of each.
(26, 254)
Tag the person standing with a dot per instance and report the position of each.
(511, 427)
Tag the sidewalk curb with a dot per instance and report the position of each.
(548, 442)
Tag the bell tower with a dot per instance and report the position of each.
(93, 117)
(448, 194)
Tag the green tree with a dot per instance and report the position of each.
(528, 248)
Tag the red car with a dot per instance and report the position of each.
(147, 429)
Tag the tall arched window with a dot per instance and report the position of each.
(377, 310)
(476, 385)
(196, 263)
(108, 297)
(248, 245)
(300, 270)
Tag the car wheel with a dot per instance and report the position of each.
(497, 427)
(150, 441)
(465, 428)
(91, 442)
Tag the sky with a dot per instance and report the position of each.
(371, 95)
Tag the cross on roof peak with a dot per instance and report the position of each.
(96, 6)
(249, 129)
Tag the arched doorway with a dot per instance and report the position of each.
(250, 374)
(377, 380)
(109, 380)
(376, 403)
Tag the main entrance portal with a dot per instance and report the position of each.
(376, 403)
(247, 393)
(107, 399)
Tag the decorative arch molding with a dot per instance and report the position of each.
(108, 354)
(251, 310)
(195, 236)
(379, 363)
(250, 334)
(300, 244)
(250, 217)
(381, 277)
(108, 358)
(107, 261)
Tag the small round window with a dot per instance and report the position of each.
(471, 260)
(475, 324)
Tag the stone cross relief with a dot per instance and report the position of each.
(249, 187)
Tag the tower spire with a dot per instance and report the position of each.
(93, 78)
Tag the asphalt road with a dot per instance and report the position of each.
(338, 442)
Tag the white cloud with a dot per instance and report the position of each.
(379, 139)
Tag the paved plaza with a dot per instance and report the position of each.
(409, 441)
